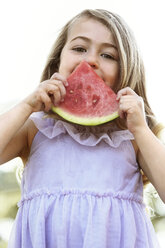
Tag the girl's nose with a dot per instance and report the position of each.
(92, 60)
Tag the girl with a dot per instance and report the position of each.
(82, 186)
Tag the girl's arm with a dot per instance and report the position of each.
(14, 123)
(151, 155)
(13, 135)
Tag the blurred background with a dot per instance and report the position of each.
(28, 30)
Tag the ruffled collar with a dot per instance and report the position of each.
(89, 136)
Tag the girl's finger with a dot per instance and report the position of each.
(123, 108)
(125, 91)
(53, 92)
(46, 100)
(50, 88)
(59, 77)
(57, 96)
(61, 87)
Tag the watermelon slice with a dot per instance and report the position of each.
(88, 101)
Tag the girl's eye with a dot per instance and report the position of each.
(107, 56)
(79, 49)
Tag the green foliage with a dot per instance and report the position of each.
(3, 244)
(9, 194)
(8, 206)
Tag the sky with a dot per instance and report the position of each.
(29, 28)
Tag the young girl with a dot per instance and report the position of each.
(82, 186)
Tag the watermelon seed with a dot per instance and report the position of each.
(71, 91)
(95, 100)
(76, 100)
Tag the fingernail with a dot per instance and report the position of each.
(53, 76)
(66, 83)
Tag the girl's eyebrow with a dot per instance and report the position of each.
(105, 44)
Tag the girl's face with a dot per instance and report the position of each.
(91, 41)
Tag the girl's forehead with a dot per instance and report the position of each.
(83, 21)
(90, 27)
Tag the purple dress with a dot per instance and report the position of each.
(81, 190)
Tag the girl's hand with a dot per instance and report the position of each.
(48, 93)
(131, 108)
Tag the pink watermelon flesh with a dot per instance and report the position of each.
(88, 100)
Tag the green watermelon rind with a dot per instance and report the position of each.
(86, 121)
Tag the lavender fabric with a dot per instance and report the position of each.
(81, 190)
